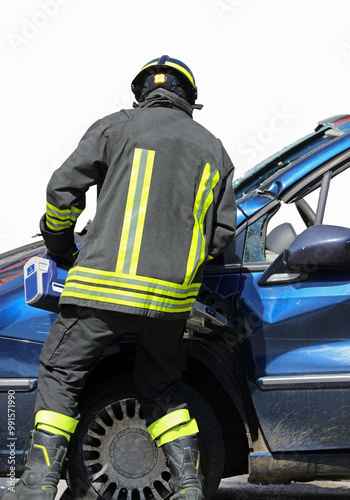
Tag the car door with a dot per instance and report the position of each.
(295, 330)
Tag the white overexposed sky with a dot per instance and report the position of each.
(266, 71)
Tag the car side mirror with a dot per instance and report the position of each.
(322, 247)
(319, 247)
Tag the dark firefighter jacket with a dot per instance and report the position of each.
(165, 205)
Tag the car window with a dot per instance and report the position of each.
(337, 211)
(275, 231)
(272, 233)
(254, 250)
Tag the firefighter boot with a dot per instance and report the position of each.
(43, 468)
(185, 475)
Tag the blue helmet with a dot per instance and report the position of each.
(167, 73)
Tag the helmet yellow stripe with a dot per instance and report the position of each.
(183, 70)
(175, 66)
(165, 64)
(148, 66)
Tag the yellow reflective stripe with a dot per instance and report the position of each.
(173, 65)
(60, 220)
(193, 248)
(208, 201)
(128, 209)
(142, 212)
(64, 211)
(45, 453)
(139, 283)
(72, 212)
(126, 298)
(129, 290)
(167, 422)
(183, 70)
(138, 288)
(135, 211)
(204, 199)
(124, 293)
(57, 219)
(187, 429)
(57, 226)
(154, 63)
(58, 420)
(136, 279)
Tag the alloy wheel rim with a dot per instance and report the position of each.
(121, 461)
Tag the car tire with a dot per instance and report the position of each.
(111, 421)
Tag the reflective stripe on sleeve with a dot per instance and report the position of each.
(204, 199)
(58, 219)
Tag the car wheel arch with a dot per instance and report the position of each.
(212, 365)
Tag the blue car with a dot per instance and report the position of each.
(267, 343)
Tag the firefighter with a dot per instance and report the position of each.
(165, 205)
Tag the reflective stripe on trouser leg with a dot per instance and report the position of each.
(56, 423)
(172, 426)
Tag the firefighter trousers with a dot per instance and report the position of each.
(76, 342)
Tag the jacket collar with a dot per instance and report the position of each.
(165, 98)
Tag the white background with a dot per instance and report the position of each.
(267, 71)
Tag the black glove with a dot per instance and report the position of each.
(64, 260)
(60, 244)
